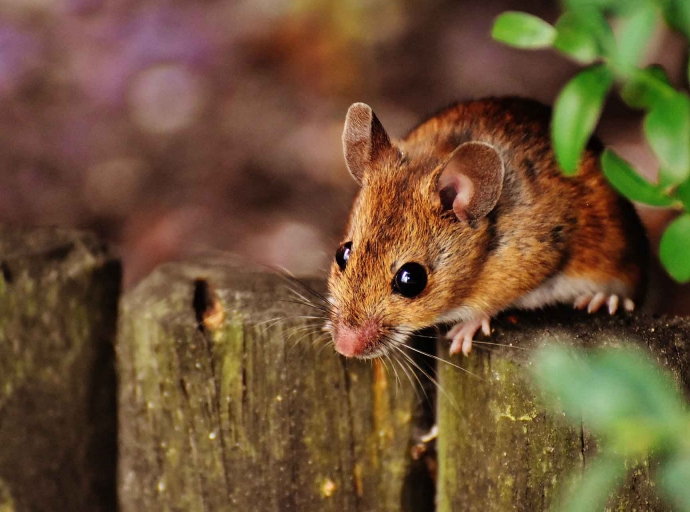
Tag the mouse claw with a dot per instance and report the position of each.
(461, 344)
(594, 302)
(462, 334)
(629, 305)
(486, 328)
(582, 301)
(612, 304)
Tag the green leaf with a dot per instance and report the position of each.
(674, 478)
(630, 184)
(667, 127)
(592, 490)
(577, 5)
(557, 372)
(674, 250)
(646, 87)
(634, 33)
(597, 26)
(683, 194)
(523, 30)
(574, 38)
(656, 397)
(576, 113)
(626, 398)
(615, 6)
(677, 14)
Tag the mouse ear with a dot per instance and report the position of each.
(471, 182)
(365, 141)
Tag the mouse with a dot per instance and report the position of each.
(469, 215)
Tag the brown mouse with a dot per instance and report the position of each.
(469, 215)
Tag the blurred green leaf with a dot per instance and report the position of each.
(683, 194)
(591, 492)
(558, 373)
(646, 87)
(677, 15)
(633, 186)
(634, 33)
(600, 403)
(657, 399)
(578, 5)
(667, 127)
(618, 393)
(523, 30)
(613, 6)
(674, 478)
(576, 113)
(575, 39)
(674, 250)
(597, 25)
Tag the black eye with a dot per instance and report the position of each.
(410, 280)
(343, 254)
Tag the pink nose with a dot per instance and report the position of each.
(355, 341)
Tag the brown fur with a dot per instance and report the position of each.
(543, 224)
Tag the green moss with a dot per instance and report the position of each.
(229, 352)
(55, 379)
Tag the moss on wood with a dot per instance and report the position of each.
(255, 414)
(58, 306)
(498, 448)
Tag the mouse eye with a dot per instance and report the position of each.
(410, 280)
(343, 254)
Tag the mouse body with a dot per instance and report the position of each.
(469, 215)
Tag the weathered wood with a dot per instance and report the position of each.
(498, 448)
(254, 414)
(58, 307)
(247, 416)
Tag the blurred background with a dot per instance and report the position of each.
(173, 127)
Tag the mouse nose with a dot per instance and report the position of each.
(355, 341)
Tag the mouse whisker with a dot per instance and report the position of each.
(273, 321)
(322, 338)
(293, 280)
(395, 371)
(422, 336)
(505, 345)
(306, 300)
(444, 361)
(291, 330)
(307, 330)
(308, 304)
(324, 346)
(426, 374)
(410, 374)
(382, 362)
(439, 338)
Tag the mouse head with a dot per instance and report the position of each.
(416, 238)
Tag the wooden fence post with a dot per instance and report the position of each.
(58, 307)
(253, 413)
(498, 448)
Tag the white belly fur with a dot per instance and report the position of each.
(563, 289)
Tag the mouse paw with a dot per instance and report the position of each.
(593, 302)
(462, 334)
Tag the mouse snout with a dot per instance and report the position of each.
(356, 341)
